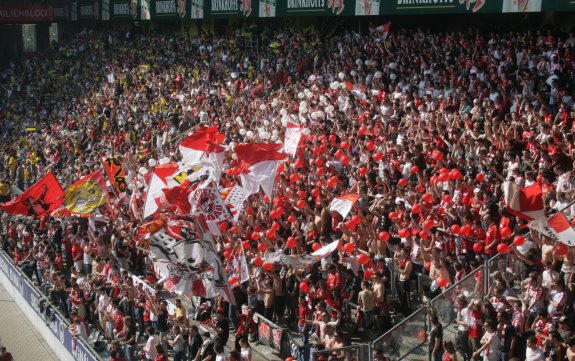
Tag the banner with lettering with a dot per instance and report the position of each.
(20, 13)
(197, 9)
(231, 8)
(407, 7)
(116, 175)
(316, 7)
(105, 10)
(89, 10)
(169, 9)
(123, 10)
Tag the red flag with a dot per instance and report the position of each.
(41, 198)
(526, 203)
(259, 164)
(198, 146)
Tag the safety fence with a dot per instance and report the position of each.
(358, 352)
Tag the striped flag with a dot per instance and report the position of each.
(556, 227)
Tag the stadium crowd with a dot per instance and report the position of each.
(424, 126)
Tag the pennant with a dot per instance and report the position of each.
(87, 194)
(343, 204)
(292, 138)
(556, 227)
(41, 198)
(526, 203)
(258, 163)
(207, 201)
(116, 175)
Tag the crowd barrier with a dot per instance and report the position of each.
(359, 352)
(273, 336)
(53, 326)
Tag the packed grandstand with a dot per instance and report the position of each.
(331, 187)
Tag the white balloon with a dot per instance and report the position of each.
(143, 171)
(392, 76)
(306, 131)
(275, 132)
(301, 95)
(152, 162)
(234, 156)
(265, 135)
(131, 187)
(238, 119)
(341, 76)
(322, 98)
(358, 62)
(165, 160)
(279, 141)
(313, 115)
(303, 110)
(392, 65)
(303, 104)
(262, 107)
(274, 138)
(284, 123)
(309, 95)
(249, 134)
(312, 77)
(334, 85)
(266, 123)
(329, 109)
(242, 131)
(377, 74)
(232, 145)
(227, 148)
(283, 112)
(320, 114)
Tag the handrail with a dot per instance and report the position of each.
(455, 285)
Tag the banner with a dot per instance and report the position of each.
(407, 7)
(55, 323)
(20, 13)
(116, 174)
(105, 10)
(122, 10)
(366, 7)
(169, 9)
(197, 9)
(316, 8)
(87, 194)
(231, 8)
(521, 6)
(89, 10)
(292, 138)
(271, 334)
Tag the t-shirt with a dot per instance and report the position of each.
(151, 347)
(224, 325)
(195, 345)
(505, 333)
(534, 355)
(436, 333)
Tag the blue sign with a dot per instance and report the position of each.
(57, 325)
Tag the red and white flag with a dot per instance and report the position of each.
(556, 227)
(207, 201)
(235, 199)
(258, 163)
(292, 138)
(343, 204)
(382, 29)
(158, 181)
(526, 203)
(203, 146)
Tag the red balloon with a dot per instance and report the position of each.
(428, 223)
(276, 226)
(271, 234)
(267, 266)
(257, 261)
(274, 214)
(427, 198)
(291, 242)
(304, 287)
(455, 229)
(315, 192)
(339, 153)
(255, 236)
(420, 335)
(403, 233)
(363, 171)
(502, 248)
(349, 247)
(245, 244)
(345, 160)
(300, 204)
(234, 230)
(437, 155)
(299, 163)
(233, 280)
(477, 247)
(447, 198)
(414, 169)
(250, 211)
(420, 188)
(294, 178)
(332, 138)
(518, 241)
(228, 253)
(356, 219)
(383, 236)
(506, 232)
(362, 259)
(423, 234)
(427, 265)
(480, 177)
(332, 182)
(378, 157)
(319, 162)
(392, 216)
(455, 174)
(402, 182)
(442, 282)
(370, 146)
(433, 180)
(267, 199)
(345, 145)
(320, 172)
(416, 208)
(465, 230)
(291, 219)
(315, 246)
(443, 177)
(561, 249)
(363, 130)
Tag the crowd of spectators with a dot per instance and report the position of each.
(424, 126)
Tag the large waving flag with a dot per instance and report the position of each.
(206, 200)
(87, 194)
(202, 146)
(116, 175)
(292, 138)
(343, 204)
(556, 227)
(158, 181)
(259, 164)
(40, 199)
(526, 203)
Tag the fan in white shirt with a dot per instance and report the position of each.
(533, 353)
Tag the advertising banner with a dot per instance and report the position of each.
(410, 7)
(270, 334)
(197, 9)
(231, 8)
(20, 13)
(56, 325)
(89, 10)
(316, 8)
(123, 10)
(105, 10)
(169, 9)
